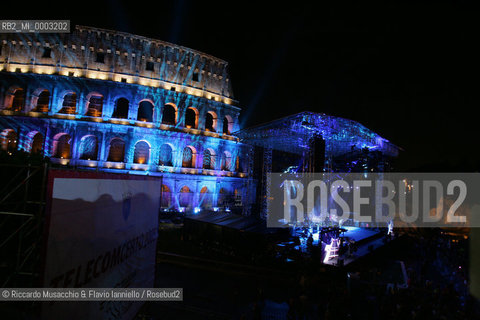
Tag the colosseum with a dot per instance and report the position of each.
(112, 101)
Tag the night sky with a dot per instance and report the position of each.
(406, 70)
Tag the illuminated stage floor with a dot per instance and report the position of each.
(367, 241)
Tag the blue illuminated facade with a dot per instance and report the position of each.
(103, 100)
(110, 101)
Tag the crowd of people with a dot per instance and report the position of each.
(433, 283)
(437, 286)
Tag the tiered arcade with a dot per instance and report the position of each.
(118, 102)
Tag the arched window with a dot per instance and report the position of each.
(169, 114)
(166, 197)
(205, 198)
(9, 140)
(89, 148)
(208, 159)
(226, 161)
(43, 101)
(145, 111)
(210, 121)
(69, 105)
(141, 153)
(121, 109)
(116, 152)
(37, 144)
(185, 197)
(227, 125)
(95, 105)
(238, 164)
(18, 101)
(190, 118)
(188, 158)
(166, 158)
(62, 146)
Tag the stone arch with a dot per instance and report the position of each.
(191, 118)
(145, 111)
(116, 150)
(89, 148)
(185, 197)
(9, 140)
(141, 153)
(166, 197)
(15, 99)
(62, 146)
(94, 104)
(120, 110)
(209, 158)
(184, 189)
(189, 157)
(34, 142)
(211, 121)
(166, 155)
(206, 198)
(69, 103)
(37, 144)
(226, 164)
(41, 100)
(169, 114)
(227, 125)
(239, 164)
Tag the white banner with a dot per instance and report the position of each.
(102, 234)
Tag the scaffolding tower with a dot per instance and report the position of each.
(22, 213)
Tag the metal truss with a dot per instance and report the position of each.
(22, 209)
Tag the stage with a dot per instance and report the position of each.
(248, 232)
(357, 242)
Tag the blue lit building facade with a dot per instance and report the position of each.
(104, 100)
(111, 101)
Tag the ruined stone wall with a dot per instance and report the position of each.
(60, 93)
(118, 56)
